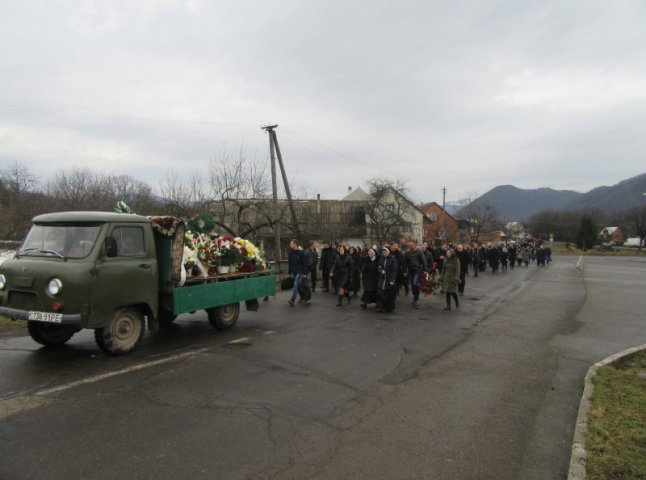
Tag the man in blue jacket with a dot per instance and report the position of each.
(295, 267)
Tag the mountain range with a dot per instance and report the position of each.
(517, 204)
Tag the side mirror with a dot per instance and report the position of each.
(111, 247)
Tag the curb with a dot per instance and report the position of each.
(579, 452)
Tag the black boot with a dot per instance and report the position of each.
(339, 297)
(347, 297)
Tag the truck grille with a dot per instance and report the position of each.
(24, 301)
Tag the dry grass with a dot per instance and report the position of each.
(561, 249)
(616, 440)
(4, 321)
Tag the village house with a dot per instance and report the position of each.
(613, 235)
(439, 225)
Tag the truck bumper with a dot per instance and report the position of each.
(73, 319)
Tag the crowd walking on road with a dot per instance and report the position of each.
(379, 275)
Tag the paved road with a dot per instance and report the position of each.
(315, 391)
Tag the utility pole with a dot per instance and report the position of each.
(286, 184)
(274, 151)
(444, 213)
(274, 190)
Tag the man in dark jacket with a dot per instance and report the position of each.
(295, 267)
(402, 281)
(310, 260)
(327, 258)
(415, 265)
(428, 255)
(387, 281)
(464, 257)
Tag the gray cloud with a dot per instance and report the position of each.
(465, 95)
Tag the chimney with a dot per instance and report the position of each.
(349, 189)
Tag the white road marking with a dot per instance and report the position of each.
(21, 403)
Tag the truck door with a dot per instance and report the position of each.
(127, 278)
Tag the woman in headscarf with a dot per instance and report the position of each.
(340, 275)
(370, 271)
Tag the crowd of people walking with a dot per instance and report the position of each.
(378, 274)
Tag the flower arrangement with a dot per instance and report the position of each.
(429, 284)
(189, 257)
(221, 251)
(229, 249)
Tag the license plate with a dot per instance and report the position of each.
(45, 317)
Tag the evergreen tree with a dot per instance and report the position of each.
(587, 235)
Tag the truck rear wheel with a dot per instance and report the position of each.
(49, 334)
(123, 332)
(224, 317)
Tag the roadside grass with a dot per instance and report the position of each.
(562, 249)
(4, 322)
(616, 440)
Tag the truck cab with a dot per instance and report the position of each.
(84, 270)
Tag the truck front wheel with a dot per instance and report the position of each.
(224, 317)
(123, 332)
(50, 335)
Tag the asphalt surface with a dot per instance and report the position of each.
(489, 391)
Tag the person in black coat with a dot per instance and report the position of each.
(357, 264)
(402, 280)
(493, 257)
(387, 284)
(325, 265)
(415, 266)
(295, 267)
(310, 260)
(464, 257)
(341, 273)
(370, 273)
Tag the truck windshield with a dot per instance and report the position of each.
(64, 241)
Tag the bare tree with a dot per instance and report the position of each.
(184, 197)
(482, 216)
(562, 225)
(137, 194)
(234, 192)
(241, 194)
(386, 214)
(83, 189)
(20, 200)
(77, 189)
(635, 220)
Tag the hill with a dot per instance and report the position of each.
(619, 197)
(519, 204)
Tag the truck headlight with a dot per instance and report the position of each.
(3, 281)
(55, 287)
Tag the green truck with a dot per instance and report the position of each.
(115, 273)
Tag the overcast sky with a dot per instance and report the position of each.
(463, 94)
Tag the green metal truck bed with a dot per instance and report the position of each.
(222, 290)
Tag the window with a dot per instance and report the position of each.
(130, 241)
(63, 240)
(433, 216)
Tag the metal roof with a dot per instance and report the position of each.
(59, 217)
